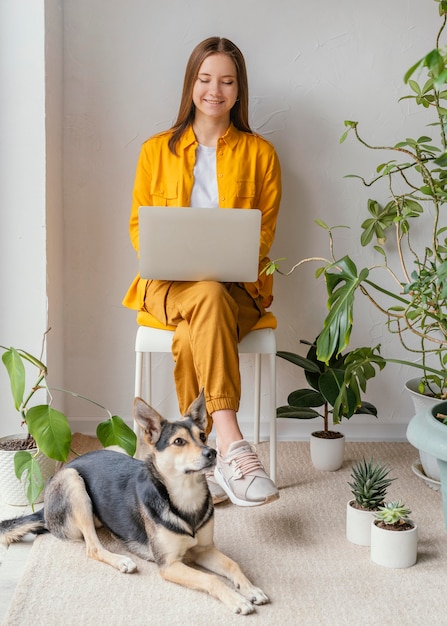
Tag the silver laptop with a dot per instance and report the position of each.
(185, 243)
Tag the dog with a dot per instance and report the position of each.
(160, 508)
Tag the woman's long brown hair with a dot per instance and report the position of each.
(239, 112)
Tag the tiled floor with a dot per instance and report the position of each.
(12, 559)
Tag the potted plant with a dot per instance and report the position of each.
(427, 431)
(394, 537)
(369, 487)
(47, 431)
(408, 235)
(335, 389)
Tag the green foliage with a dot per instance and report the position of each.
(336, 386)
(27, 469)
(370, 483)
(49, 427)
(415, 177)
(115, 432)
(393, 513)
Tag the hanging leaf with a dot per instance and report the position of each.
(27, 469)
(51, 431)
(115, 432)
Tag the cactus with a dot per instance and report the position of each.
(370, 483)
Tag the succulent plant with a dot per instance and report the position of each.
(393, 513)
(370, 483)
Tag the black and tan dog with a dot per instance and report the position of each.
(160, 508)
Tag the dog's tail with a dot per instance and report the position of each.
(15, 529)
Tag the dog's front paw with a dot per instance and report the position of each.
(257, 596)
(242, 606)
(126, 565)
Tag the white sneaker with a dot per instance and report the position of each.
(241, 475)
(217, 493)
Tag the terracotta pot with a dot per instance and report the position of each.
(11, 488)
(394, 548)
(358, 525)
(327, 454)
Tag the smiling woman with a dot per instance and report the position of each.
(211, 159)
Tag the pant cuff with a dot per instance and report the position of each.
(219, 404)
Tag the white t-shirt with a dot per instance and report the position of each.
(204, 192)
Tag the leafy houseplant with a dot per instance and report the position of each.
(416, 178)
(336, 385)
(369, 487)
(48, 429)
(408, 284)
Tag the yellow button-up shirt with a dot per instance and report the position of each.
(248, 177)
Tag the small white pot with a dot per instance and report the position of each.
(393, 548)
(358, 525)
(327, 454)
(12, 490)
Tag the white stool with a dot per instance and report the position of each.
(261, 340)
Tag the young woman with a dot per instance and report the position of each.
(211, 158)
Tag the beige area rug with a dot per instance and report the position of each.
(295, 549)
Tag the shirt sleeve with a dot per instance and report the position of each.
(141, 193)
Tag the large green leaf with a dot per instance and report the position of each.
(16, 372)
(301, 361)
(27, 469)
(51, 431)
(115, 432)
(342, 280)
(294, 413)
(305, 398)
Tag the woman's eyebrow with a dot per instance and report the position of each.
(225, 76)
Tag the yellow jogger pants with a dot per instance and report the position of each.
(210, 319)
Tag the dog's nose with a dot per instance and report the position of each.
(209, 453)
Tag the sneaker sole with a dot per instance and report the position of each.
(234, 499)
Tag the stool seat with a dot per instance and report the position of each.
(153, 336)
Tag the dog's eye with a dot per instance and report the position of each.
(202, 437)
(179, 442)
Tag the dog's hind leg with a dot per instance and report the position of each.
(180, 573)
(69, 515)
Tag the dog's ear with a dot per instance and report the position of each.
(197, 411)
(148, 419)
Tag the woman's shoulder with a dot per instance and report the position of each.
(162, 137)
(261, 143)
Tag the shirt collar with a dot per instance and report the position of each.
(231, 137)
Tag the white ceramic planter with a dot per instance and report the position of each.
(327, 454)
(358, 525)
(11, 488)
(391, 548)
(422, 403)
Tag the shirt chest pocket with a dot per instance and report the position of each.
(246, 192)
(165, 194)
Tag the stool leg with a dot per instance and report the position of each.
(138, 382)
(272, 411)
(257, 399)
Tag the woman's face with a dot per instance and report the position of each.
(215, 90)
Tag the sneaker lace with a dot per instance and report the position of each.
(245, 463)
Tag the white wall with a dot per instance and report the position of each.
(23, 315)
(311, 66)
